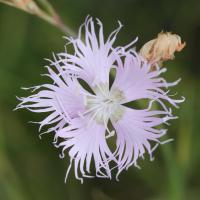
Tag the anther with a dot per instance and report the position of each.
(85, 99)
(112, 133)
(77, 90)
(95, 80)
(81, 115)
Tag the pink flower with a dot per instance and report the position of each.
(82, 117)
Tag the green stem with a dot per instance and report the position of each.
(48, 7)
(53, 18)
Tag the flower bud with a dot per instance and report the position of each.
(162, 48)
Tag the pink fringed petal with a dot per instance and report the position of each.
(93, 58)
(136, 82)
(134, 132)
(60, 99)
(84, 144)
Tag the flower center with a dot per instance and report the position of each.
(104, 105)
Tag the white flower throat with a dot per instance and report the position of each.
(104, 105)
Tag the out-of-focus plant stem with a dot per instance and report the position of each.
(55, 19)
(49, 15)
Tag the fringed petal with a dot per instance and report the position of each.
(84, 144)
(134, 132)
(60, 99)
(134, 79)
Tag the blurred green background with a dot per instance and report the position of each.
(30, 168)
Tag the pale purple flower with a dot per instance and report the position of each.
(82, 117)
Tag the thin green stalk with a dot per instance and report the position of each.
(54, 19)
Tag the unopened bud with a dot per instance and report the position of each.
(162, 48)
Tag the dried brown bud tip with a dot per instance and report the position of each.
(161, 48)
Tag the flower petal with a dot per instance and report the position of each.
(134, 131)
(61, 100)
(91, 59)
(86, 143)
(136, 82)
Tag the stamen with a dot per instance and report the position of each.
(81, 115)
(100, 106)
(95, 80)
(85, 99)
(91, 109)
(91, 95)
(88, 124)
(110, 134)
(102, 91)
(104, 120)
(77, 90)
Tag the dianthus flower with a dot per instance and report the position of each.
(82, 116)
